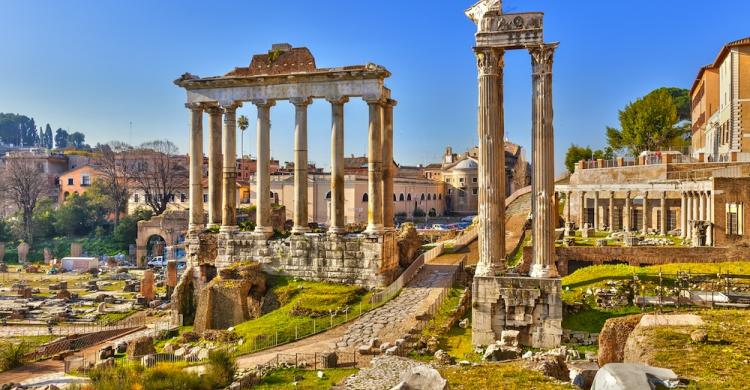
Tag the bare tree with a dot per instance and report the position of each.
(159, 172)
(23, 183)
(113, 177)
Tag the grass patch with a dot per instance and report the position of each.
(305, 307)
(435, 326)
(112, 318)
(592, 319)
(510, 375)
(515, 257)
(303, 379)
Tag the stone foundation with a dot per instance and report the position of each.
(532, 306)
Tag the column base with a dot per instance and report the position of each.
(300, 229)
(213, 226)
(487, 270)
(229, 229)
(263, 231)
(374, 229)
(196, 228)
(543, 271)
(336, 230)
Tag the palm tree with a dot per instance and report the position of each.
(243, 124)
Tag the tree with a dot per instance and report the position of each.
(112, 181)
(158, 172)
(79, 215)
(18, 130)
(77, 140)
(48, 137)
(650, 123)
(243, 123)
(127, 231)
(61, 139)
(577, 153)
(23, 182)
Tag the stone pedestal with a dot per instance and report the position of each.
(532, 306)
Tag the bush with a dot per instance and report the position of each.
(222, 367)
(12, 355)
(419, 212)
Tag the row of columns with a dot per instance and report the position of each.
(695, 206)
(491, 172)
(627, 211)
(222, 175)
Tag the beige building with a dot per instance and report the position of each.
(721, 106)
(459, 173)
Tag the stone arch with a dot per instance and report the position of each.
(408, 197)
(169, 226)
(401, 197)
(365, 198)
(422, 197)
(328, 195)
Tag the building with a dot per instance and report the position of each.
(459, 173)
(76, 181)
(721, 106)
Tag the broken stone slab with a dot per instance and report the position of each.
(422, 378)
(623, 376)
(496, 353)
(509, 338)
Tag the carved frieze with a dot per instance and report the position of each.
(511, 31)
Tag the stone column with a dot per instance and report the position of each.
(215, 166)
(388, 171)
(229, 187)
(543, 175)
(300, 165)
(195, 223)
(683, 214)
(375, 167)
(626, 213)
(596, 210)
(581, 209)
(262, 174)
(645, 222)
(337, 165)
(491, 174)
(568, 198)
(701, 206)
(611, 215)
(663, 216)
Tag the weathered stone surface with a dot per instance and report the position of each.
(409, 244)
(140, 347)
(613, 337)
(231, 299)
(147, 285)
(699, 336)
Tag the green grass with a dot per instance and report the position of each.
(111, 318)
(509, 376)
(592, 320)
(305, 379)
(517, 255)
(305, 308)
(435, 326)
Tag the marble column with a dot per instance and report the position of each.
(581, 209)
(683, 214)
(701, 206)
(215, 166)
(262, 173)
(568, 198)
(626, 213)
(645, 222)
(229, 184)
(543, 175)
(375, 167)
(491, 172)
(596, 211)
(388, 170)
(663, 217)
(611, 215)
(195, 223)
(300, 165)
(337, 165)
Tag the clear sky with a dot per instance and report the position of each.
(96, 66)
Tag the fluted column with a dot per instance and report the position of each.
(262, 174)
(195, 223)
(229, 187)
(701, 206)
(388, 171)
(300, 165)
(683, 214)
(337, 165)
(645, 223)
(663, 217)
(626, 213)
(596, 210)
(543, 175)
(611, 215)
(581, 209)
(215, 166)
(491, 175)
(375, 167)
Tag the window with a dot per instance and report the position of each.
(460, 179)
(85, 180)
(461, 193)
(422, 198)
(183, 197)
(70, 181)
(205, 198)
(440, 196)
(328, 195)
(429, 197)
(365, 198)
(474, 191)
(408, 197)
(401, 197)
(394, 197)
(735, 220)
(473, 179)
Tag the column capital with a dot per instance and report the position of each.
(377, 100)
(541, 57)
(301, 101)
(230, 107)
(391, 102)
(489, 60)
(337, 99)
(213, 109)
(264, 103)
(194, 106)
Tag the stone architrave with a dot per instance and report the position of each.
(148, 289)
(76, 249)
(23, 251)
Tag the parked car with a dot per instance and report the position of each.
(157, 261)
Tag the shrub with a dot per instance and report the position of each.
(12, 355)
(419, 212)
(222, 367)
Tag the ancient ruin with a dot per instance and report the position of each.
(532, 305)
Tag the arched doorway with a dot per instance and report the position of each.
(155, 246)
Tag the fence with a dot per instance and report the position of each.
(425, 318)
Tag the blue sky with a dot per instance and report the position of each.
(96, 66)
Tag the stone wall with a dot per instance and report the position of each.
(366, 260)
(640, 255)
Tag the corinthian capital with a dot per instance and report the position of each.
(541, 57)
(489, 60)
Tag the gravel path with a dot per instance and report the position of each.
(384, 373)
